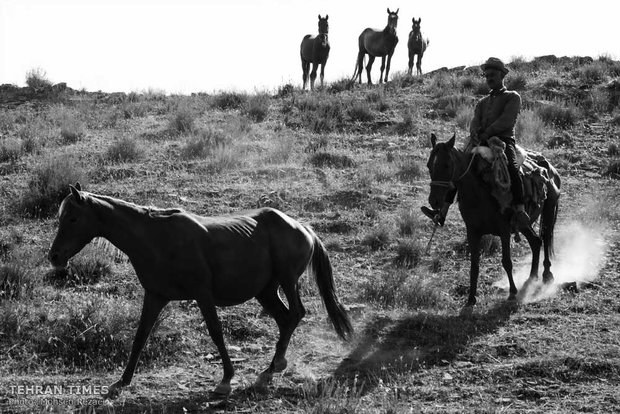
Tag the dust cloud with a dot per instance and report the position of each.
(579, 256)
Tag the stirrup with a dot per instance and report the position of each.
(434, 215)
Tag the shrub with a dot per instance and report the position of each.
(464, 115)
(202, 143)
(397, 287)
(517, 82)
(37, 79)
(123, 150)
(341, 85)
(10, 150)
(558, 115)
(71, 129)
(134, 109)
(15, 282)
(409, 170)
(48, 186)
(360, 111)
(593, 72)
(257, 107)
(285, 90)
(408, 222)
(81, 270)
(229, 100)
(378, 238)
(326, 159)
(408, 253)
(182, 121)
(613, 150)
(530, 128)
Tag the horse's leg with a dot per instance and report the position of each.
(305, 67)
(271, 302)
(214, 326)
(473, 240)
(547, 223)
(535, 242)
(323, 72)
(151, 308)
(360, 65)
(507, 264)
(315, 66)
(382, 69)
(371, 60)
(410, 63)
(418, 64)
(387, 67)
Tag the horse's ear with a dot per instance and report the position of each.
(451, 141)
(419, 20)
(78, 186)
(76, 194)
(413, 19)
(319, 17)
(326, 16)
(433, 140)
(389, 12)
(397, 10)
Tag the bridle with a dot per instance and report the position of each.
(451, 184)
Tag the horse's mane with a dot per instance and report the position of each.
(151, 211)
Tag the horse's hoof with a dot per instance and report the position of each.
(222, 389)
(114, 391)
(280, 365)
(512, 297)
(548, 278)
(467, 310)
(263, 379)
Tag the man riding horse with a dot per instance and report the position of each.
(495, 116)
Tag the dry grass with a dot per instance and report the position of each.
(360, 186)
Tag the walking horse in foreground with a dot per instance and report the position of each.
(216, 261)
(450, 168)
(377, 43)
(315, 50)
(416, 45)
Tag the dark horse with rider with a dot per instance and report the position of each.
(502, 189)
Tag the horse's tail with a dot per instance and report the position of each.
(549, 214)
(358, 68)
(322, 269)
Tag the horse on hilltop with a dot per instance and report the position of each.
(416, 45)
(216, 261)
(377, 43)
(315, 50)
(451, 168)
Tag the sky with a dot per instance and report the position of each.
(185, 46)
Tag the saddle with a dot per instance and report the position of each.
(492, 167)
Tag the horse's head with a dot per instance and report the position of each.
(392, 19)
(323, 24)
(415, 27)
(75, 228)
(442, 166)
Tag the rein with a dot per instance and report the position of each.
(451, 183)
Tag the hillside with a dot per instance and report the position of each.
(350, 161)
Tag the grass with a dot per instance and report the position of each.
(399, 287)
(531, 128)
(71, 129)
(203, 143)
(257, 107)
(11, 150)
(327, 159)
(182, 121)
(48, 186)
(229, 100)
(408, 253)
(360, 111)
(378, 238)
(559, 115)
(123, 150)
(16, 281)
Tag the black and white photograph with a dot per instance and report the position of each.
(326, 207)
